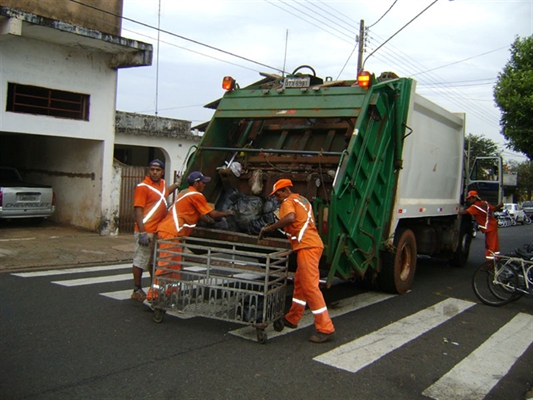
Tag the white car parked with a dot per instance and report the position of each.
(516, 212)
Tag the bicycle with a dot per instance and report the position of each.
(505, 279)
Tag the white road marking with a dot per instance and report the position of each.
(344, 306)
(477, 374)
(16, 239)
(67, 271)
(97, 279)
(356, 355)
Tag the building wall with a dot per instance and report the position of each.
(68, 11)
(71, 155)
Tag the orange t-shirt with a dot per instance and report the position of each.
(182, 217)
(302, 233)
(151, 198)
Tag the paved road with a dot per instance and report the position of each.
(74, 333)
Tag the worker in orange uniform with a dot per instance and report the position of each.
(482, 211)
(149, 208)
(190, 206)
(296, 218)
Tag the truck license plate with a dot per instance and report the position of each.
(297, 82)
(27, 197)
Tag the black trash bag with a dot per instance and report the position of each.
(253, 309)
(255, 226)
(228, 199)
(271, 205)
(248, 209)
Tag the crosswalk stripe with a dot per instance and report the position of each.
(477, 374)
(68, 271)
(91, 281)
(363, 351)
(343, 307)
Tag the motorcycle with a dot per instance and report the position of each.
(504, 219)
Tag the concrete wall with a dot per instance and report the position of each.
(86, 147)
(68, 11)
(172, 138)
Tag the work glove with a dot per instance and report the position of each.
(144, 239)
(229, 212)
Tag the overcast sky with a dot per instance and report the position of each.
(454, 49)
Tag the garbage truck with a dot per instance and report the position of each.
(382, 166)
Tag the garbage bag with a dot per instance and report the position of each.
(247, 209)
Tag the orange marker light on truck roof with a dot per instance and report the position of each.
(228, 83)
(363, 79)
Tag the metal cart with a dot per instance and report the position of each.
(223, 280)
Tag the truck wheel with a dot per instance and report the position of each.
(398, 269)
(460, 256)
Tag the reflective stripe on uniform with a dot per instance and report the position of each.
(320, 310)
(306, 224)
(298, 301)
(486, 213)
(156, 206)
(175, 213)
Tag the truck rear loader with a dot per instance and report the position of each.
(382, 166)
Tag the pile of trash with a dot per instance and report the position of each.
(251, 213)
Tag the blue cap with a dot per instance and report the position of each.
(197, 176)
(157, 163)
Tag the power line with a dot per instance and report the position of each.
(178, 36)
(386, 12)
(460, 61)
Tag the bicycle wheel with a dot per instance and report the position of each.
(495, 284)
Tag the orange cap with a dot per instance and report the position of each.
(282, 183)
(472, 193)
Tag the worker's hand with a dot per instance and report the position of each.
(263, 232)
(144, 239)
(208, 220)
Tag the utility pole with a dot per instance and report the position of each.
(361, 46)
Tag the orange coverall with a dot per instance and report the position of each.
(180, 220)
(306, 242)
(482, 212)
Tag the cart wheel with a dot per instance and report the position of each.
(278, 325)
(158, 315)
(262, 336)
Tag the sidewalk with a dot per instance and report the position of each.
(26, 245)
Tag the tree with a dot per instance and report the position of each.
(513, 94)
(480, 146)
(525, 180)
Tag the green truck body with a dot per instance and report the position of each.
(345, 148)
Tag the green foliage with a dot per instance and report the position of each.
(480, 146)
(513, 94)
(525, 180)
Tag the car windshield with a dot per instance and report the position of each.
(508, 207)
(527, 204)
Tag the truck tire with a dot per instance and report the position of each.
(398, 270)
(460, 256)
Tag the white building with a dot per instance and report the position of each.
(58, 84)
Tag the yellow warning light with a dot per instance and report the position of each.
(363, 79)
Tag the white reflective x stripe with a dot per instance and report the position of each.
(487, 215)
(298, 301)
(156, 206)
(175, 213)
(309, 219)
(320, 310)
